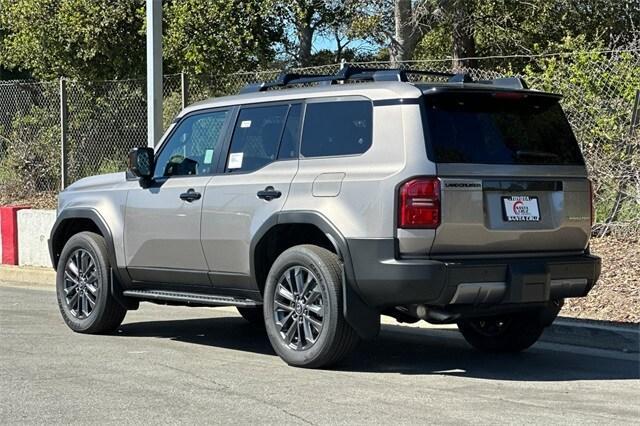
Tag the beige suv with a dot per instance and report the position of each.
(316, 209)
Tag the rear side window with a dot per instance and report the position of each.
(337, 128)
(499, 129)
(256, 138)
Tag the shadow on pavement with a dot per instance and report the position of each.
(406, 351)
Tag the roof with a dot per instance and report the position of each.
(382, 84)
(374, 91)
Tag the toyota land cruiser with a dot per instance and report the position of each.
(316, 209)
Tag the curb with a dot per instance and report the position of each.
(45, 277)
(576, 332)
(566, 331)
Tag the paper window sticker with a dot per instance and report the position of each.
(245, 124)
(208, 156)
(235, 160)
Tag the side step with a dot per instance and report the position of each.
(196, 298)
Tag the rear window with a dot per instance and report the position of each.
(499, 129)
(337, 128)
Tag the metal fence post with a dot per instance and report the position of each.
(184, 89)
(64, 129)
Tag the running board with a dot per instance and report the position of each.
(196, 298)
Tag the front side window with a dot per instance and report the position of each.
(256, 138)
(194, 146)
(337, 128)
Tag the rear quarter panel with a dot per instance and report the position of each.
(361, 202)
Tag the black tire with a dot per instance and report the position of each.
(254, 316)
(509, 333)
(107, 314)
(335, 339)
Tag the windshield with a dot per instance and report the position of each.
(499, 128)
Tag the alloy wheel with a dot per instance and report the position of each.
(81, 288)
(299, 308)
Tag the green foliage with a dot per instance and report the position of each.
(84, 39)
(216, 37)
(105, 39)
(599, 91)
(31, 160)
(507, 27)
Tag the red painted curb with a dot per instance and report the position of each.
(9, 232)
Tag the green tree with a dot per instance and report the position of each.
(460, 29)
(105, 39)
(84, 39)
(217, 37)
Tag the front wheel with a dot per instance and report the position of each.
(82, 286)
(303, 307)
(506, 333)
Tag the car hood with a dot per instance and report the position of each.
(98, 182)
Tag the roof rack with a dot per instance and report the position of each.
(356, 73)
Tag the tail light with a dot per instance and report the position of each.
(419, 204)
(592, 209)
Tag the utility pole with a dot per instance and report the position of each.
(154, 72)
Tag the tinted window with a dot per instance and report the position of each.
(256, 138)
(493, 129)
(193, 147)
(337, 128)
(291, 134)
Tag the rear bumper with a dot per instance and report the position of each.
(383, 280)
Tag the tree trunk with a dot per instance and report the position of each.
(464, 44)
(305, 39)
(400, 49)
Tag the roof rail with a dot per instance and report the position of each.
(356, 73)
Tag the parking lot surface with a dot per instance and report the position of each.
(202, 365)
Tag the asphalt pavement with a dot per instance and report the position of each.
(204, 365)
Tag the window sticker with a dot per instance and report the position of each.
(235, 160)
(245, 124)
(208, 156)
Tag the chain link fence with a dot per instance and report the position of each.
(104, 120)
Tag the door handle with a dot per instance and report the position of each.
(269, 193)
(190, 195)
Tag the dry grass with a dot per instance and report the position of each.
(40, 200)
(616, 296)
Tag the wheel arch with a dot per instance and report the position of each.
(72, 221)
(364, 319)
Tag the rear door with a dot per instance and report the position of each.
(512, 175)
(262, 161)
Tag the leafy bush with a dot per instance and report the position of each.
(32, 153)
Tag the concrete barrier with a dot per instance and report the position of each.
(9, 232)
(34, 227)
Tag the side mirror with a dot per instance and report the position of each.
(141, 162)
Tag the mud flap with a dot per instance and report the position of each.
(364, 320)
(128, 303)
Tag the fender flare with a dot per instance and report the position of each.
(364, 319)
(120, 274)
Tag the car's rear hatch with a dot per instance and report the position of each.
(512, 176)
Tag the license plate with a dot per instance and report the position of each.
(520, 208)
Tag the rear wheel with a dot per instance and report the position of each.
(82, 286)
(303, 308)
(507, 333)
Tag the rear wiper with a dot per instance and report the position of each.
(539, 154)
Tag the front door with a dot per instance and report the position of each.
(261, 163)
(162, 221)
